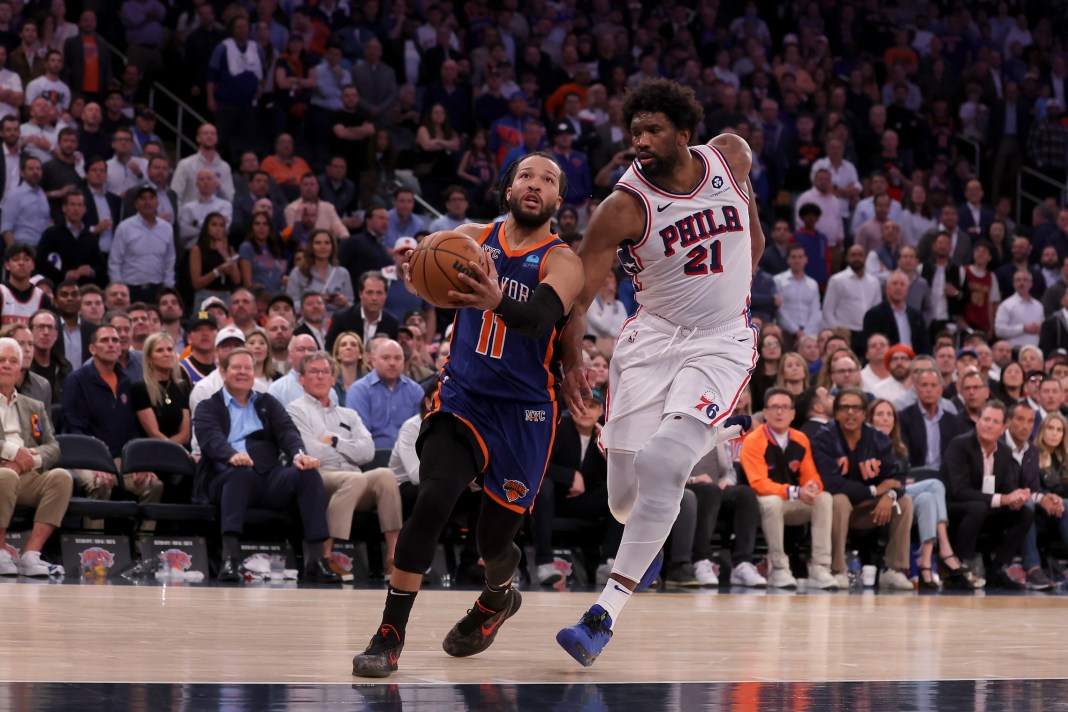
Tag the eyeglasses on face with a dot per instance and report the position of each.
(850, 408)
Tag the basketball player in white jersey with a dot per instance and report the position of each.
(685, 228)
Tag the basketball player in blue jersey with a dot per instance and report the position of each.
(685, 227)
(494, 413)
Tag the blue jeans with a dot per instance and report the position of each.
(928, 506)
(1029, 548)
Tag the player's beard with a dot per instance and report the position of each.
(661, 166)
(524, 217)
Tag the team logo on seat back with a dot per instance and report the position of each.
(514, 489)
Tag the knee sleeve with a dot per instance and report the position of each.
(664, 463)
(622, 484)
(448, 467)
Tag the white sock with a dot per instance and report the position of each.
(614, 596)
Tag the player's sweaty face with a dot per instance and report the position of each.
(655, 142)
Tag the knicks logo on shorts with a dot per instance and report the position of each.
(535, 416)
(514, 489)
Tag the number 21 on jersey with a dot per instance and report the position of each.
(492, 335)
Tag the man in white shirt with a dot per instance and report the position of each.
(898, 362)
(822, 194)
(192, 214)
(38, 135)
(851, 293)
(1019, 318)
(125, 170)
(49, 85)
(184, 181)
(844, 174)
(876, 371)
(11, 95)
(800, 311)
(341, 442)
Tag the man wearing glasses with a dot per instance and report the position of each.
(856, 463)
(788, 493)
(47, 362)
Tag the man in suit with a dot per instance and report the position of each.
(927, 427)
(241, 435)
(974, 217)
(960, 242)
(1054, 331)
(27, 476)
(102, 208)
(947, 303)
(368, 316)
(366, 250)
(76, 333)
(896, 319)
(87, 60)
(983, 494)
(71, 249)
(575, 485)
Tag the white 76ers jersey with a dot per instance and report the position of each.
(693, 265)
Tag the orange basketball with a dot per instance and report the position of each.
(437, 262)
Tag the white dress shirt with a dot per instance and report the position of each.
(848, 297)
(830, 222)
(192, 215)
(404, 461)
(121, 177)
(844, 176)
(1011, 316)
(800, 308)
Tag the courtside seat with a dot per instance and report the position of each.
(84, 452)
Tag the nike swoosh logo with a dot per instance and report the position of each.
(662, 208)
(621, 589)
(487, 629)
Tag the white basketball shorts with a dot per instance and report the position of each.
(660, 368)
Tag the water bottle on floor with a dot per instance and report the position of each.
(853, 570)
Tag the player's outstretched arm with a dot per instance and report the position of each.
(618, 219)
(756, 230)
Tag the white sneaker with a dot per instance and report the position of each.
(548, 574)
(604, 572)
(781, 578)
(894, 580)
(705, 573)
(843, 581)
(745, 574)
(30, 564)
(7, 564)
(820, 577)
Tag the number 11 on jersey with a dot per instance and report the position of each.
(491, 337)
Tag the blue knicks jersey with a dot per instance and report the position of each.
(487, 357)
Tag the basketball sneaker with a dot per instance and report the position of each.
(380, 657)
(651, 573)
(8, 567)
(475, 632)
(585, 640)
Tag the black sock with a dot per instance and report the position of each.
(398, 608)
(493, 597)
(313, 551)
(231, 546)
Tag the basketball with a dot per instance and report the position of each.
(437, 262)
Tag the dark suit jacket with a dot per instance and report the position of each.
(87, 335)
(361, 253)
(956, 304)
(61, 251)
(567, 457)
(967, 224)
(74, 63)
(962, 253)
(351, 320)
(880, 320)
(996, 126)
(92, 216)
(962, 470)
(1054, 333)
(279, 438)
(914, 432)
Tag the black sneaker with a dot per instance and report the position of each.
(481, 626)
(999, 578)
(380, 657)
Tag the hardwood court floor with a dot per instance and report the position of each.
(202, 634)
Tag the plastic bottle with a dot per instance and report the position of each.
(853, 570)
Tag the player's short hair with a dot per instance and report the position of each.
(673, 100)
(509, 177)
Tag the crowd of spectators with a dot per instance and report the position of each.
(902, 281)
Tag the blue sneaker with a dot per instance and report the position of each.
(651, 573)
(585, 640)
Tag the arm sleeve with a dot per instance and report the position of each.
(534, 317)
(213, 442)
(118, 253)
(75, 417)
(958, 481)
(312, 446)
(404, 449)
(1004, 325)
(826, 455)
(813, 323)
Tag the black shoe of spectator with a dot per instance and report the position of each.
(999, 578)
(319, 572)
(230, 571)
(957, 580)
